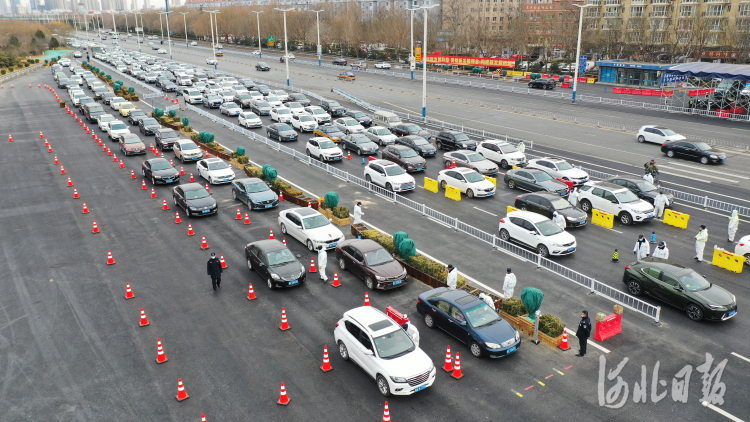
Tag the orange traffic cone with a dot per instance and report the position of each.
(564, 344)
(110, 260)
(122, 165)
(335, 279)
(457, 368)
(283, 240)
(171, 162)
(448, 361)
(114, 158)
(143, 186)
(367, 299)
(85, 208)
(284, 323)
(62, 170)
(40, 135)
(203, 417)
(221, 259)
(192, 179)
(309, 204)
(10, 138)
(177, 218)
(109, 152)
(160, 356)
(207, 156)
(96, 229)
(153, 193)
(312, 266)
(251, 293)
(104, 147)
(128, 293)
(164, 205)
(204, 245)
(144, 320)
(239, 214)
(166, 97)
(271, 236)
(326, 363)
(49, 148)
(283, 398)
(75, 193)
(162, 155)
(182, 171)
(56, 160)
(247, 220)
(348, 155)
(453, 165)
(132, 174)
(190, 229)
(386, 414)
(70, 182)
(46, 142)
(181, 393)
(207, 189)
(281, 196)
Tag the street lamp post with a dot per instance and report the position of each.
(169, 39)
(286, 53)
(320, 47)
(424, 62)
(213, 41)
(411, 51)
(127, 31)
(578, 49)
(184, 20)
(161, 25)
(257, 15)
(137, 38)
(114, 25)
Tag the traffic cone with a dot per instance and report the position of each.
(448, 367)
(281, 196)
(457, 369)
(88, 130)
(283, 398)
(160, 356)
(166, 97)
(326, 363)
(250, 293)
(70, 182)
(109, 152)
(207, 155)
(151, 147)
(144, 320)
(104, 147)
(204, 245)
(85, 208)
(335, 279)
(153, 193)
(386, 414)
(367, 299)
(56, 160)
(49, 148)
(348, 155)
(203, 417)
(190, 229)
(170, 162)
(128, 293)
(309, 204)
(29, 85)
(564, 343)
(96, 229)
(312, 266)
(177, 218)
(453, 165)
(143, 186)
(271, 236)
(207, 189)
(122, 165)
(62, 170)
(40, 135)
(284, 323)
(182, 171)
(181, 393)
(75, 193)
(39, 85)
(132, 174)
(46, 142)
(162, 156)
(247, 220)
(283, 240)
(192, 179)
(239, 214)
(221, 259)
(110, 260)
(10, 138)
(615, 256)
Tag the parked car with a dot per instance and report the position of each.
(310, 227)
(296, 108)
(300, 98)
(275, 263)
(349, 125)
(215, 170)
(131, 144)
(319, 114)
(165, 138)
(281, 114)
(323, 149)
(472, 160)
(194, 199)
(542, 83)
(501, 153)
(359, 143)
(697, 151)
(249, 120)
(534, 180)
(186, 150)
(451, 140)
(616, 200)
(559, 169)
(536, 232)
(333, 108)
(211, 100)
(657, 134)
(419, 144)
(282, 132)
(361, 117)
(230, 109)
(547, 204)
(468, 181)
(304, 123)
(261, 108)
(406, 129)
(389, 175)
(159, 170)
(339, 62)
(380, 135)
(643, 189)
(371, 262)
(329, 131)
(405, 157)
(255, 193)
(135, 116)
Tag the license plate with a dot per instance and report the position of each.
(334, 244)
(571, 249)
(407, 187)
(397, 282)
(170, 181)
(420, 388)
(268, 206)
(293, 282)
(226, 180)
(336, 158)
(511, 350)
(492, 171)
(582, 223)
(206, 211)
(732, 313)
(419, 169)
(650, 216)
(723, 159)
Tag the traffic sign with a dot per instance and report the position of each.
(582, 65)
(418, 54)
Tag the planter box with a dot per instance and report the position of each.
(341, 221)
(357, 229)
(326, 211)
(524, 325)
(222, 155)
(301, 201)
(62, 105)
(514, 321)
(419, 275)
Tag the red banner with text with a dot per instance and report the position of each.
(437, 58)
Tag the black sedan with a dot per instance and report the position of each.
(135, 116)
(159, 170)
(534, 181)
(165, 138)
(281, 131)
(263, 89)
(698, 151)
(361, 117)
(273, 261)
(546, 204)
(255, 193)
(262, 66)
(169, 87)
(339, 62)
(300, 98)
(542, 84)
(643, 189)
(680, 287)
(418, 143)
(404, 156)
(406, 129)
(359, 142)
(470, 320)
(148, 126)
(99, 93)
(194, 199)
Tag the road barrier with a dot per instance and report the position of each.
(492, 179)
(677, 219)
(452, 193)
(430, 184)
(511, 209)
(728, 260)
(601, 218)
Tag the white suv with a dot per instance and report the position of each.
(381, 348)
(658, 134)
(501, 153)
(389, 175)
(537, 232)
(559, 169)
(616, 200)
(115, 128)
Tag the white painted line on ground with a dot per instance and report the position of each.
(677, 172)
(721, 411)
(487, 212)
(740, 356)
(590, 342)
(710, 212)
(704, 169)
(616, 231)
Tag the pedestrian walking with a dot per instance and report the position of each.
(452, 279)
(652, 169)
(559, 220)
(583, 333)
(509, 284)
(488, 300)
(641, 249)
(659, 203)
(358, 213)
(213, 267)
(322, 261)
(661, 251)
(573, 197)
(734, 224)
(700, 243)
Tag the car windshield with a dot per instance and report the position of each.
(560, 204)
(217, 165)
(481, 315)
(189, 145)
(283, 128)
(232, 105)
(703, 147)
(548, 228)
(132, 140)
(378, 257)
(333, 104)
(407, 153)
(393, 344)
(412, 128)
(693, 281)
(473, 158)
(262, 64)
(326, 144)
(393, 119)
(280, 257)
(264, 104)
(306, 119)
(626, 196)
(360, 139)
(314, 222)
(394, 170)
(358, 114)
(473, 177)
(383, 132)
(162, 165)
(196, 194)
(294, 105)
(420, 141)
(542, 177)
(271, 99)
(351, 122)
(461, 137)
(507, 149)
(117, 126)
(564, 165)
(149, 122)
(668, 132)
(107, 118)
(256, 187)
(318, 111)
(213, 98)
(283, 111)
(646, 186)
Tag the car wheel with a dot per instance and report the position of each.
(359, 151)
(439, 146)
(476, 351)
(283, 228)
(174, 200)
(443, 184)
(504, 164)
(343, 351)
(187, 211)
(523, 207)
(307, 151)
(694, 312)
(369, 283)
(586, 205)
(389, 187)
(634, 287)
(504, 235)
(368, 179)
(542, 250)
(747, 259)
(143, 172)
(153, 181)
(428, 321)
(641, 139)
(310, 246)
(670, 154)
(626, 219)
(383, 386)
(270, 284)
(342, 264)
(469, 193)
(704, 160)
(182, 159)
(511, 184)
(249, 265)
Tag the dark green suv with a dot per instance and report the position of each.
(680, 287)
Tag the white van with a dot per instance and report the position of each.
(184, 80)
(192, 95)
(385, 119)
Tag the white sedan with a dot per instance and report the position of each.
(468, 181)
(274, 101)
(281, 114)
(657, 134)
(193, 43)
(536, 232)
(349, 125)
(310, 227)
(381, 135)
(743, 248)
(323, 149)
(501, 153)
(280, 94)
(304, 123)
(296, 108)
(250, 120)
(162, 51)
(389, 175)
(215, 170)
(382, 65)
(256, 53)
(211, 61)
(230, 109)
(103, 120)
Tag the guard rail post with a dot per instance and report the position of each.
(592, 291)
(538, 261)
(705, 202)
(658, 315)
(494, 242)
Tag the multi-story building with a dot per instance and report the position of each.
(369, 7)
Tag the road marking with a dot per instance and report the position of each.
(703, 169)
(528, 388)
(721, 412)
(740, 356)
(549, 376)
(558, 371)
(517, 393)
(539, 382)
(487, 212)
(616, 231)
(568, 367)
(592, 343)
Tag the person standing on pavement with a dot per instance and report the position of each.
(641, 249)
(358, 213)
(583, 333)
(559, 220)
(452, 279)
(509, 284)
(700, 243)
(521, 147)
(661, 251)
(659, 203)
(648, 177)
(213, 267)
(734, 224)
(322, 261)
(573, 197)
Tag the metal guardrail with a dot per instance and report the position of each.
(22, 72)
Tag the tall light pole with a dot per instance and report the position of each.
(137, 38)
(86, 22)
(161, 25)
(169, 40)
(127, 31)
(424, 62)
(114, 26)
(411, 51)
(578, 49)
(257, 15)
(320, 47)
(184, 20)
(213, 41)
(286, 53)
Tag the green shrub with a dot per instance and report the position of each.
(286, 188)
(186, 122)
(381, 238)
(341, 212)
(255, 171)
(25, 65)
(188, 129)
(173, 113)
(550, 325)
(270, 173)
(216, 146)
(331, 199)
(514, 307)
(158, 112)
(194, 137)
(243, 159)
(240, 150)
(131, 90)
(109, 77)
(2, 72)
(11, 69)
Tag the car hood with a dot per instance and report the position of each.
(262, 196)
(208, 201)
(389, 269)
(418, 161)
(561, 238)
(166, 172)
(139, 145)
(425, 148)
(289, 271)
(574, 213)
(641, 206)
(715, 295)
(498, 332)
(575, 174)
(553, 185)
(484, 165)
(409, 365)
(325, 233)
(716, 152)
(154, 127)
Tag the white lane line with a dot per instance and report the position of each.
(710, 212)
(602, 227)
(676, 172)
(703, 169)
(740, 356)
(590, 342)
(477, 208)
(721, 412)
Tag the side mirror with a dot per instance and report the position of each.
(368, 352)
(678, 288)
(260, 264)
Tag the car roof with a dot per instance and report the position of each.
(463, 170)
(384, 163)
(214, 160)
(496, 142)
(635, 180)
(664, 264)
(465, 151)
(249, 180)
(453, 296)
(304, 212)
(191, 186)
(364, 245)
(165, 129)
(372, 319)
(268, 245)
(399, 147)
(553, 159)
(528, 215)
(548, 195)
(606, 185)
(157, 160)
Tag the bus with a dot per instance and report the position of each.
(95, 49)
(114, 35)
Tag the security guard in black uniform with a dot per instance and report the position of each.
(583, 333)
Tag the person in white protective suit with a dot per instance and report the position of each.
(358, 213)
(734, 223)
(559, 220)
(322, 261)
(573, 197)
(649, 178)
(641, 249)
(509, 284)
(659, 203)
(700, 243)
(661, 251)
(487, 300)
